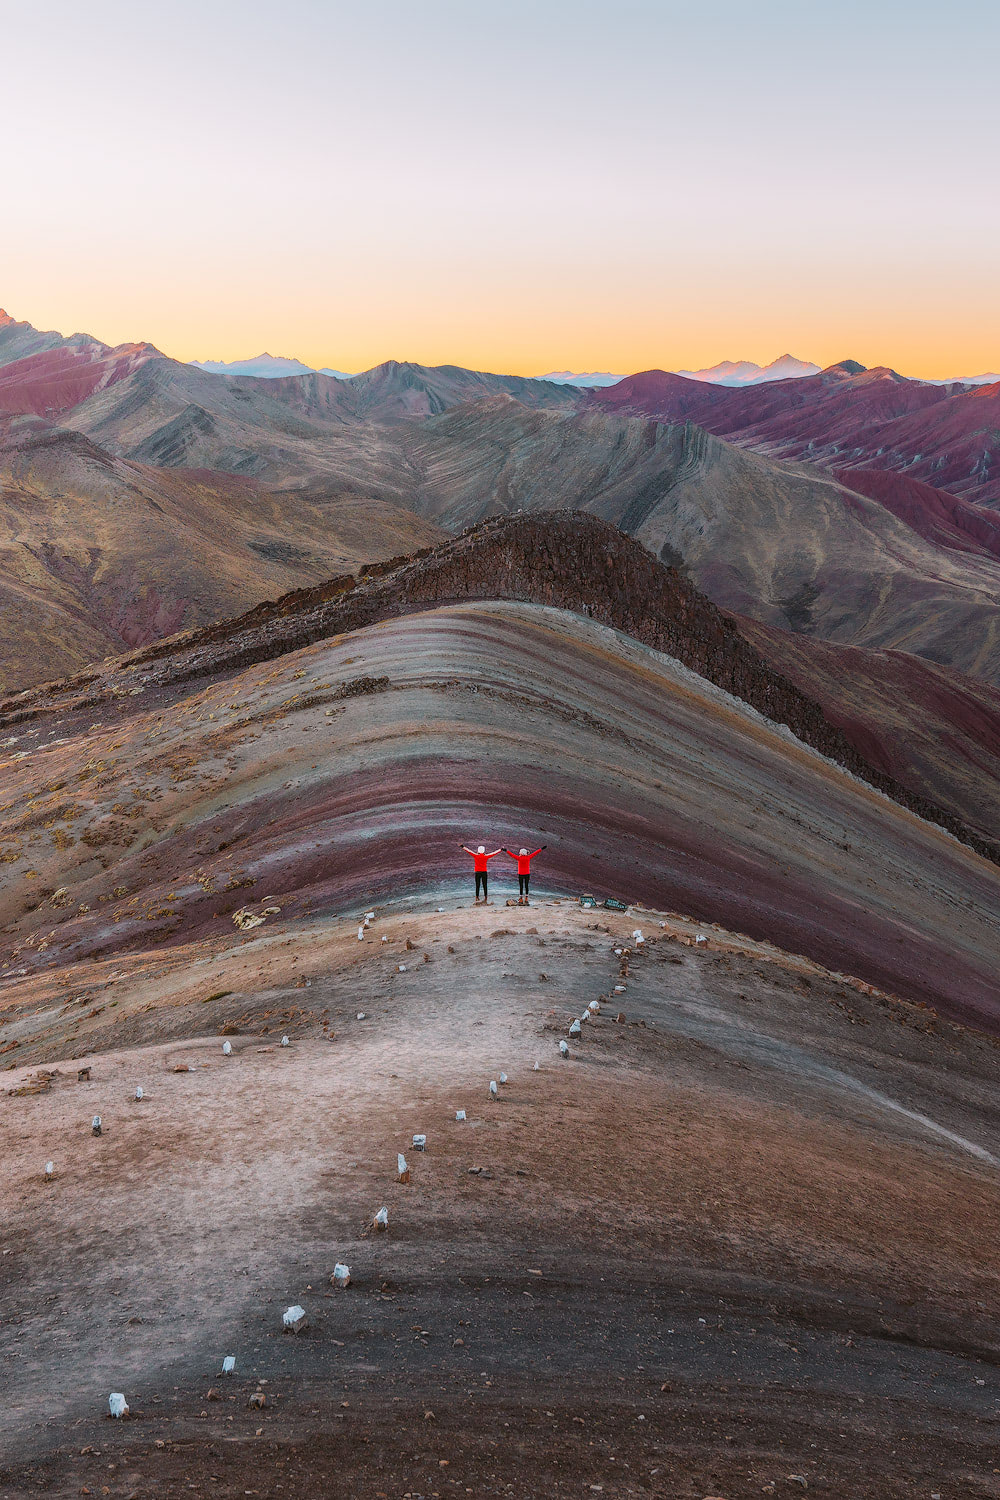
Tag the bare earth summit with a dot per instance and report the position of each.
(741, 1242)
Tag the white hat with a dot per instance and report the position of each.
(522, 851)
(481, 849)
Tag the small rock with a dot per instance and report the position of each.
(258, 1399)
(294, 1319)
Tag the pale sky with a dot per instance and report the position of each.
(517, 186)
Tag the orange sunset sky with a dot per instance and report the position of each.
(520, 187)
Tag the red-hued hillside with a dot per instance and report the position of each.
(53, 382)
(958, 444)
(935, 514)
(932, 728)
(826, 410)
(846, 416)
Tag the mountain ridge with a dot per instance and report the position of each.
(847, 415)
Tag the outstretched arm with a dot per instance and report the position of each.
(467, 850)
(495, 852)
(537, 851)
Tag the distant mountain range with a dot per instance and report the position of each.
(593, 380)
(745, 372)
(741, 372)
(264, 367)
(302, 475)
(18, 340)
(967, 380)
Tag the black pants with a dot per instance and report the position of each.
(522, 884)
(481, 881)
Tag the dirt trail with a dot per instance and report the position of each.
(716, 1246)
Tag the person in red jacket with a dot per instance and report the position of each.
(524, 871)
(481, 861)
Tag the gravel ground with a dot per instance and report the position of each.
(746, 1233)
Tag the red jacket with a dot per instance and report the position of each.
(481, 860)
(524, 860)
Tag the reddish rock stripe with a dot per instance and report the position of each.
(503, 723)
